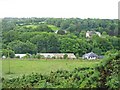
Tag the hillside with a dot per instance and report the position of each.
(37, 35)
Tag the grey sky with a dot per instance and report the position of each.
(60, 8)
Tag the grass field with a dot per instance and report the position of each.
(31, 26)
(35, 26)
(53, 27)
(19, 67)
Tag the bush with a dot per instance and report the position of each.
(33, 56)
(6, 52)
(65, 56)
(77, 55)
(62, 32)
(17, 56)
(53, 57)
(38, 56)
(27, 55)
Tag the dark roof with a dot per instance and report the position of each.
(91, 54)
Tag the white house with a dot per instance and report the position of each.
(90, 55)
(90, 33)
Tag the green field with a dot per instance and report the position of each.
(19, 67)
(53, 27)
(31, 26)
(35, 26)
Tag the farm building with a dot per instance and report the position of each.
(20, 55)
(47, 55)
(58, 55)
(90, 55)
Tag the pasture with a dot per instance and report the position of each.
(19, 67)
(53, 27)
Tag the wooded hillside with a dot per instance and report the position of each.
(35, 35)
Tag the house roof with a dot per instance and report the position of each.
(91, 54)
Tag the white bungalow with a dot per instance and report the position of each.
(90, 55)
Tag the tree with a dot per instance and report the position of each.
(46, 42)
(62, 32)
(72, 28)
(103, 43)
(10, 36)
(25, 36)
(97, 50)
(65, 56)
(21, 47)
(8, 24)
(64, 25)
(43, 28)
(115, 42)
(112, 51)
(83, 47)
(68, 45)
(82, 34)
(27, 55)
(6, 51)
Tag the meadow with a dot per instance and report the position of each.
(18, 67)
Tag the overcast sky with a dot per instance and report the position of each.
(107, 9)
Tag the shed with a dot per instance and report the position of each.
(20, 55)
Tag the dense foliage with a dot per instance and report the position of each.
(35, 35)
(103, 75)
